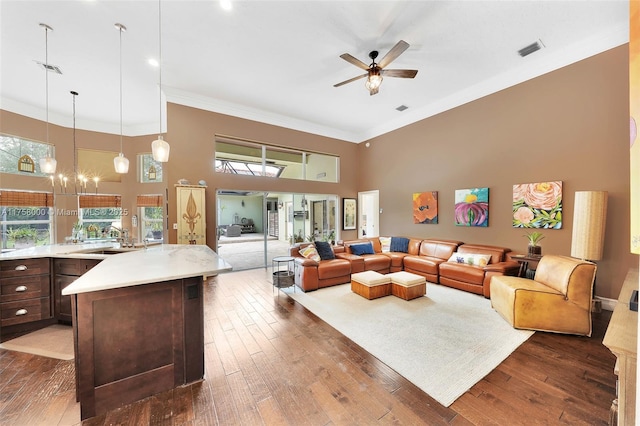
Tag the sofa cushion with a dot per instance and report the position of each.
(385, 242)
(310, 252)
(324, 250)
(399, 244)
(470, 258)
(360, 249)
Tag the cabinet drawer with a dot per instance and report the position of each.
(75, 267)
(23, 311)
(21, 288)
(24, 267)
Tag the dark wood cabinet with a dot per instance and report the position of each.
(134, 342)
(67, 271)
(25, 293)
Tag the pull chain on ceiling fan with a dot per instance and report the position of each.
(376, 71)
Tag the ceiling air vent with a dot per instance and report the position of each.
(528, 50)
(49, 67)
(401, 108)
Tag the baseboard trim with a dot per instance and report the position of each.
(607, 304)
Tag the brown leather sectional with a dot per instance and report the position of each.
(426, 257)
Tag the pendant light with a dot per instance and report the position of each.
(160, 148)
(47, 164)
(121, 163)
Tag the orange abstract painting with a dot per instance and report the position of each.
(425, 207)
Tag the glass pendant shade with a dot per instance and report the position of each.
(160, 149)
(48, 165)
(373, 82)
(121, 163)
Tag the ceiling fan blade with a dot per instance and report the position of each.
(399, 73)
(355, 61)
(350, 80)
(395, 51)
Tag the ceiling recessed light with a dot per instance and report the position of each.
(153, 62)
(401, 108)
(226, 4)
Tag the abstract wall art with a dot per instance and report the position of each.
(425, 207)
(472, 207)
(537, 205)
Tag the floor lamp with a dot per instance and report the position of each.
(589, 221)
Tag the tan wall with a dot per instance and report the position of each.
(570, 125)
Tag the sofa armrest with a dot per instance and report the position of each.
(357, 262)
(506, 268)
(303, 261)
(338, 249)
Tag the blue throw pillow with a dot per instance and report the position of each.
(399, 244)
(324, 250)
(360, 249)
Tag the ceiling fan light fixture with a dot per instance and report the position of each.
(373, 82)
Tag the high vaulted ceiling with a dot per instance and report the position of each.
(277, 61)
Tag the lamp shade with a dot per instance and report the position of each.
(121, 163)
(160, 149)
(589, 220)
(48, 165)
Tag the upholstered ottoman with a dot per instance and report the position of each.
(370, 284)
(407, 286)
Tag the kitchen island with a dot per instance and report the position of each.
(138, 324)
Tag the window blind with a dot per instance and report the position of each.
(26, 199)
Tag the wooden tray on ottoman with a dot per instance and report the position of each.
(370, 284)
(407, 286)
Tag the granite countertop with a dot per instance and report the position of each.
(131, 267)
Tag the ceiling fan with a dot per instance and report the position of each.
(375, 71)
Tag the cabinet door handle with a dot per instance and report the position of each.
(21, 312)
(21, 288)
(21, 268)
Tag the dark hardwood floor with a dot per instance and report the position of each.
(270, 361)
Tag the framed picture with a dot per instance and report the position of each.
(348, 214)
(425, 207)
(472, 207)
(537, 205)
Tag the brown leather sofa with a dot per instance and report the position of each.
(474, 278)
(429, 257)
(311, 275)
(377, 261)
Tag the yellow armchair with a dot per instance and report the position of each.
(558, 299)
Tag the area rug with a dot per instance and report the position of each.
(55, 341)
(443, 343)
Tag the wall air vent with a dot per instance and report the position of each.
(49, 67)
(528, 50)
(401, 108)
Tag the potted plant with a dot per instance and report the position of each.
(534, 238)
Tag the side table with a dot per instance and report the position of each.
(283, 272)
(524, 260)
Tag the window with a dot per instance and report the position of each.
(20, 156)
(152, 218)
(149, 169)
(98, 215)
(255, 159)
(26, 219)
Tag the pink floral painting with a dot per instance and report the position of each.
(472, 207)
(537, 205)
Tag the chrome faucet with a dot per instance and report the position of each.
(123, 239)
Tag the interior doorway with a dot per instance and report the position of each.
(369, 214)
